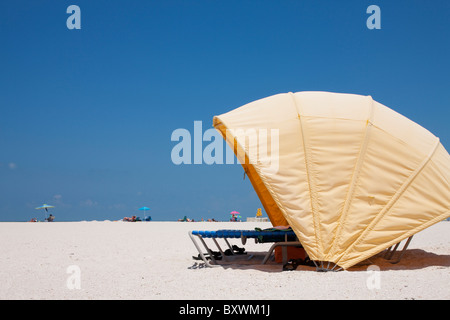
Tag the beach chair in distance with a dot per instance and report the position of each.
(281, 238)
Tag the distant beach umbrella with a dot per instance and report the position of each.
(235, 215)
(45, 207)
(144, 209)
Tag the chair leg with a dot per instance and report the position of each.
(220, 249)
(403, 251)
(385, 255)
(393, 251)
(200, 251)
(277, 244)
(229, 246)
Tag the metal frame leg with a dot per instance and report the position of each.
(207, 263)
(220, 249)
(393, 251)
(229, 246)
(403, 251)
(277, 244)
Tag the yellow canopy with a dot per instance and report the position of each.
(349, 175)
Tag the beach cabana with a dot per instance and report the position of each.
(349, 175)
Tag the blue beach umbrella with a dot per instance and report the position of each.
(144, 209)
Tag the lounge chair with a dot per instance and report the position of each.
(281, 238)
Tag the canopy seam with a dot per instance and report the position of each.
(393, 200)
(400, 238)
(355, 179)
(311, 185)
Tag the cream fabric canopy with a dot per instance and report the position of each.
(352, 177)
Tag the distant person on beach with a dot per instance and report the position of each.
(50, 218)
(132, 219)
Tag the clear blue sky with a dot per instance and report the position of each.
(87, 115)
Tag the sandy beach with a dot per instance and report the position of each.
(151, 260)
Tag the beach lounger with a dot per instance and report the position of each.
(281, 238)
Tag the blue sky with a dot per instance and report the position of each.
(87, 115)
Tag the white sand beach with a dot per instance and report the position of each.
(150, 260)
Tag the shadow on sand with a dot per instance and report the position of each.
(413, 259)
